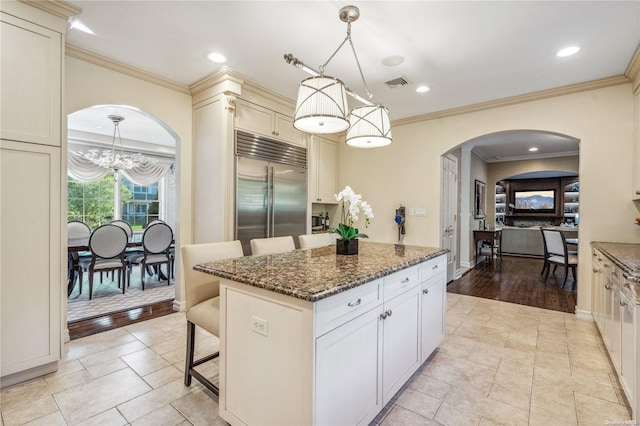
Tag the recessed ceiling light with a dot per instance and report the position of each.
(423, 89)
(568, 51)
(533, 149)
(392, 61)
(216, 57)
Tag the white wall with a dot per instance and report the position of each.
(87, 84)
(408, 171)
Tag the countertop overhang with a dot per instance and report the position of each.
(313, 274)
(625, 255)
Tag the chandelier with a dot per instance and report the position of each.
(321, 106)
(111, 159)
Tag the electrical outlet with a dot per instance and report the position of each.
(421, 212)
(259, 325)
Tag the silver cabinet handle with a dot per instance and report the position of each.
(383, 316)
(356, 303)
(623, 303)
(406, 280)
(607, 286)
(389, 312)
(435, 267)
(595, 270)
(425, 291)
(638, 192)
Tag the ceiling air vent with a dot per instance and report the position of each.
(397, 82)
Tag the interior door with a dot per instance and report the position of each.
(449, 207)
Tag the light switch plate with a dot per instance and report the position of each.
(421, 212)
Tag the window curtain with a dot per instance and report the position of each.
(84, 170)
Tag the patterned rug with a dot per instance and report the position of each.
(108, 298)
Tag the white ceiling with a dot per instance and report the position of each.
(467, 52)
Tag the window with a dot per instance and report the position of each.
(91, 202)
(94, 203)
(143, 206)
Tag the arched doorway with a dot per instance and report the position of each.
(98, 194)
(487, 157)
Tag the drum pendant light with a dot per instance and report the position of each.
(321, 106)
(370, 127)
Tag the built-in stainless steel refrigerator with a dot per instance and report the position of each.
(271, 189)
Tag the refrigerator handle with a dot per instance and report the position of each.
(272, 222)
(269, 202)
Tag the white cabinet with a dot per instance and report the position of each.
(433, 315)
(348, 360)
(628, 349)
(616, 317)
(635, 195)
(400, 340)
(340, 359)
(31, 276)
(31, 82)
(261, 120)
(31, 204)
(324, 170)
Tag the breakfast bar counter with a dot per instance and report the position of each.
(312, 337)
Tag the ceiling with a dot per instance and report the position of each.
(467, 52)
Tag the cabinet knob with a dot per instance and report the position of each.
(383, 316)
(425, 291)
(404, 281)
(356, 303)
(435, 267)
(623, 303)
(389, 312)
(595, 270)
(638, 192)
(276, 133)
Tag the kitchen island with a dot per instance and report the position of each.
(311, 337)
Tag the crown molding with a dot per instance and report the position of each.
(225, 76)
(85, 55)
(633, 70)
(58, 8)
(545, 94)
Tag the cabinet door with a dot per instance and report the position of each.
(326, 170)
(348, 375)
(254, 118)
(627, 361)
(31, 256)
(31, 82)
(433, 315)
(635, 195)
(607, 313)
(284, 130)
(616, 330)
(597, 287)
(401, 341)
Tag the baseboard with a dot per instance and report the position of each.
(32, 373)
(584, 315)
(179, 306)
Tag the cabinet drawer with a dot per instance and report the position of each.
(336, 310)
(432, 267)
(401, 281)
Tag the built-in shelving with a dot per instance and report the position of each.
(571, 203)
(501, 204)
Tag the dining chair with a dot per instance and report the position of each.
(107, 244)
(202, 299)
(124, 225)
(556, 252)
(78, 234)
(156, 242)
(272, 245)
(314, 240)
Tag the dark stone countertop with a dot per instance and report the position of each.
(313, 274)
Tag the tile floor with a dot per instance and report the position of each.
(500, 363)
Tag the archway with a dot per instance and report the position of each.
(151, 191)
(504, 153)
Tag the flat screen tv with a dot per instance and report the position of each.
(535, 201)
